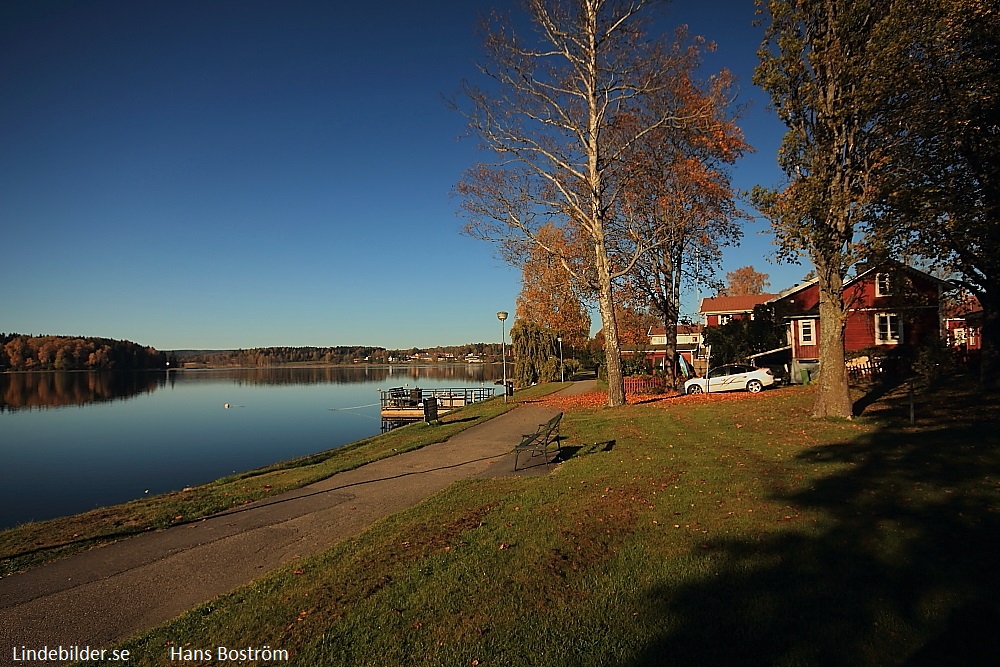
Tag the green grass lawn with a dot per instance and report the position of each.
(713, 532)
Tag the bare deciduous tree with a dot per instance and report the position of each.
(561, 110)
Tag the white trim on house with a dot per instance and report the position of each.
(883, 284)
(888, 332)
(807, 332)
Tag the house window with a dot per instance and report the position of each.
(888, 329)
(883, 284)
(725, 319)
(807, 332)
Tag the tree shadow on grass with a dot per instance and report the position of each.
(876, 391)
(900, 568)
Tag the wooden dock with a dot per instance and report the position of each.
(404, 405)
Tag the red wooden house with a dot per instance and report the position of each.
(719, 310)
(687, 343)
(891, 305)
(963, 323)
(964, 333)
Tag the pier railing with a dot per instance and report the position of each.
(448, 398)
(402, 405)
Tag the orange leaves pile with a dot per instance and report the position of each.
(599, 399)
(594, 399)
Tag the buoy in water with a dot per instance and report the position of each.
(226, 406)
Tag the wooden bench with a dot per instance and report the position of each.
(539, 441)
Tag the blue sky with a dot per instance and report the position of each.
(221, 174)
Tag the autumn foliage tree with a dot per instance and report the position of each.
(678, 190)
(563, 107)
(19, 352)
(745, 280)
(549, 297)
(940, 185)
(816, 64)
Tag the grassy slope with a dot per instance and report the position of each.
(688, 532)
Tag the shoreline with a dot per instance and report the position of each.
(415, 364)
(55, 538)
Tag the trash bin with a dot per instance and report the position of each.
(510, 388)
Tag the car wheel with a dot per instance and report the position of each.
(695, 389)
(754, 386)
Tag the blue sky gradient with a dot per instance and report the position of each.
(234, 174)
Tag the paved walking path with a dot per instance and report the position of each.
(107, 594)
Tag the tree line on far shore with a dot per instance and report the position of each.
(21, 352)
(25, 352)
(342, 354)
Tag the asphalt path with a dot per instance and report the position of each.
(104, 595)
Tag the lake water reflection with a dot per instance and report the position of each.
(70, 442)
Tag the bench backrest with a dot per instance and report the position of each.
(552, 423)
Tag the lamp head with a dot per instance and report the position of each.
(502, 315)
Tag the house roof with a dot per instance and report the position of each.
(964, 304)
(767, 352)
(682, 329)
(881, 266)
(740, 303)
(793, 289)
(863, 271)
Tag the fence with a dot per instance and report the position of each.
(644, 385)
(863, 370)
(447, 398)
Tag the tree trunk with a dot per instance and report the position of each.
(989, 359)
(671, 312)
(609, 324)
(834, 398)
(670, 352)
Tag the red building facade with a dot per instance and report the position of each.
(889, 306)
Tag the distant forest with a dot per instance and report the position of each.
(276, 356)
(19, 352)
(344, 354)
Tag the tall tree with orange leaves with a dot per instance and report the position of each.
(745, 280)
(549, 296)
(678, 191)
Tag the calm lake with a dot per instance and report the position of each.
(70, 442)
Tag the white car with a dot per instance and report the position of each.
(731, 377)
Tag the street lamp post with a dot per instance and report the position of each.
(562, 369)
(502, 315)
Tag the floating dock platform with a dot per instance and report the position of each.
(405, 405)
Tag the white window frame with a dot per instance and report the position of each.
(725, 319)
(807, 332)
(881, 278)
(889, 328)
